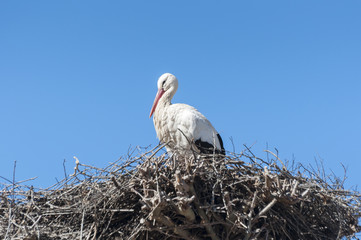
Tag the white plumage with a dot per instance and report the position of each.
(179, 125)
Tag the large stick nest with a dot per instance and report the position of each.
(196, 197)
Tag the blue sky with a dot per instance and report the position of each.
(78, 78)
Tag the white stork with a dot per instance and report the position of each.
(179, 125)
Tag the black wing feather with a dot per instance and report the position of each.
(207, 148)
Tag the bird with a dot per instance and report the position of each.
(182, 127)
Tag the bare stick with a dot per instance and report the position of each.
(65, 174)
(264, 210)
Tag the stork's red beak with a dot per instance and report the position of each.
(156, 100)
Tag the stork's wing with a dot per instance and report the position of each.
(194, 126)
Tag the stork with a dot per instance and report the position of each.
(181, 126)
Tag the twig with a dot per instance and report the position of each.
(82, 223)
(65, 174)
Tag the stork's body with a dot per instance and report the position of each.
(182, 126)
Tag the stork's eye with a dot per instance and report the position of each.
(163, 84)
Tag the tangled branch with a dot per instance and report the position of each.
(213, 197)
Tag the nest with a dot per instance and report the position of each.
(149, 196)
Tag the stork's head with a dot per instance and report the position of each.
(167, 86)
(167, 81)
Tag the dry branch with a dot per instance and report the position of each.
(183, 197)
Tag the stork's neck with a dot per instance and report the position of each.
(166, 99)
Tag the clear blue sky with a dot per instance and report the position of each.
(78, 78)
